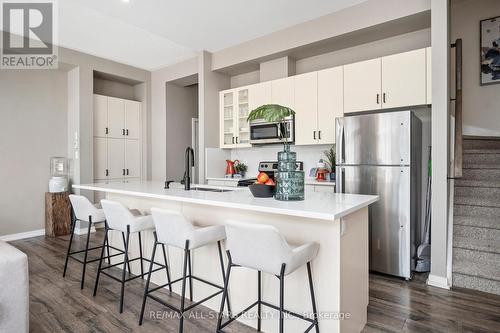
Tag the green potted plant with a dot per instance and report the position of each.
(289, 180)
(331, 161)
(241, 169)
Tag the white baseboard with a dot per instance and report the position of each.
(438, 281)
(23, 235)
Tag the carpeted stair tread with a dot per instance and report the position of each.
(477, 263)
(477, 238)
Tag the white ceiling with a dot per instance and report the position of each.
(151, 34)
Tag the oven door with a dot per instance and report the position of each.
(262, 132)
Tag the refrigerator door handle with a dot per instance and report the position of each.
(342, 145)
(340, 180)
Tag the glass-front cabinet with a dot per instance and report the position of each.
(233, 118)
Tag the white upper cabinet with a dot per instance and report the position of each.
(428, 54)
(362, 86)
(234, 110)
(116, 117)
(330, 103)
(259, 94)
(226, 117)
(404, 79)
(132, 119)
(283, 92)
(306, 108)
(395, 81)
(100, 116)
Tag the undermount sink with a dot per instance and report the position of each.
(210, 189)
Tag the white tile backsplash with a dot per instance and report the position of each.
(310, 155)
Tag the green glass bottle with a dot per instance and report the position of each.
(289, 181)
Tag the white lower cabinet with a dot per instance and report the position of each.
(100, 158)
(116, 158)
(132, 159)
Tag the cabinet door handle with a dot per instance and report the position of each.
(383, 97)
(314, 135)
(378, 98)
(237, 140)
(319, 135)
(123, 172)
(233, 140)
(107, 172)
(127, 172)
(123, 131)
(127, 131)
(107, 130)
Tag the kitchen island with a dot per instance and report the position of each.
(338, 222)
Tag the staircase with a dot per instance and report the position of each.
(476, 222)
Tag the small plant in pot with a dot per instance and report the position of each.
(241, 169)
(331, 161)
(289, 181)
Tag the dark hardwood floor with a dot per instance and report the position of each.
(58, 305)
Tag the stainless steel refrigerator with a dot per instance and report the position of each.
(381, 154)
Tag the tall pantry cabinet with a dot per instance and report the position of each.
(117, 138)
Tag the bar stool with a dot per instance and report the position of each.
(84, 211)
(119, 218)
(263, 248)
(172, 228)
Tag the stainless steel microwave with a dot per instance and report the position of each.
(262, 132)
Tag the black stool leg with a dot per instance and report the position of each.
(183, 296)
(107, 248)
(140, 253)
(282, 299)
(148, 280)
(259, 305)
(223, 270)
(124, 245)
(190, 277)
(224, 294)
(313, 298)
(69, 247)
(102, 255)
(86, 252)
(125, 263)
(166, 267)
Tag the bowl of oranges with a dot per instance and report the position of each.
(264, 187)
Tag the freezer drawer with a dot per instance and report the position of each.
(390, 218)
(374, 139)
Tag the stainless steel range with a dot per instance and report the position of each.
(269, 167)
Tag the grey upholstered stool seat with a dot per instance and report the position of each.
(121, 219)
(264, 249)
(84, 211)
(173, 229)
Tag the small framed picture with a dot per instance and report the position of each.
(489, 40)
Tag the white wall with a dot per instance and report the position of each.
(33, 128)
(182, 106)
(480, 103)
(159, 79)
(114, 88)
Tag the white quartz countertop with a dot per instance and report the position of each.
(323, 206)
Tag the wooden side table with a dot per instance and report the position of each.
(57, 214)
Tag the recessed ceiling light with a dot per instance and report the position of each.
(125, 0)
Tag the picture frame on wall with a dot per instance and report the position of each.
(489, 51)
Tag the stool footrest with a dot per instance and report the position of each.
(148, 294)
(272, 306)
